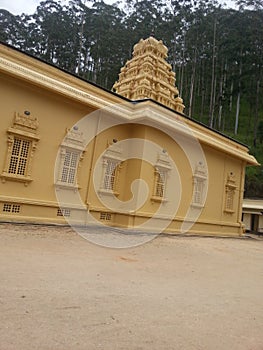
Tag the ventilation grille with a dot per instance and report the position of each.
(11, 208)
(105, 216)
(63, 212)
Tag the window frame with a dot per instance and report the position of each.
(230, 190)
(160, 177)
(63, 158)
(110, 174)
(161, 169)
(15, 133)
(199, 181)
(72, 143)
(112, 154)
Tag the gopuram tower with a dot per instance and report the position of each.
(149, 76)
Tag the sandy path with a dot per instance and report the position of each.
(58, 291)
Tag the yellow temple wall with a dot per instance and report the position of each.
(55, 114)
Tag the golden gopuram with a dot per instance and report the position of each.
(149, 75)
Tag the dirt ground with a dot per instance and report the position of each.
(58, 291)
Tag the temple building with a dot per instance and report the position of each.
(74, 153)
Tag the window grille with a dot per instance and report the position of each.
(161, 173)
(230, 199)
(22, 139)
(63, 212)
(11, 208)
(230, 192)
(105, 216)
(15, 208)
(199, 184)
(19, 156)
(69, 167)
(110, 175)
(7, 207)
(198, 191)
(160, 183)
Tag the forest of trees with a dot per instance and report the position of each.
(216, 52)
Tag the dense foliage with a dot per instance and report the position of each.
(216, 52)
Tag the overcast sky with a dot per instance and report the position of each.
(29, 6)
(18, 6)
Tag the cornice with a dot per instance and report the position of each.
(49, 77)
(154, 114)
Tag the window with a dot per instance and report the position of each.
(69, 159)
(161, 170)
(22, 143)
(199, 185)
(19, 156)
(198, 191)
(110, 175)
(69, 167)
(229, 205)
(111, 166)
(230, 193)
(71, 151)
(160, 183)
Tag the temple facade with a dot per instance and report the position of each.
(74, 153)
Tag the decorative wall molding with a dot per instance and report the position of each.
(43, 80)
(24, 130)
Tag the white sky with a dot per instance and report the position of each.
(17, 7)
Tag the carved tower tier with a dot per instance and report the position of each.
(149, 75)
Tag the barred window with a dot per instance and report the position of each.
(22, 139)
(229, 205)
(160, 183)
(198, 191)
(110, 175)
(69, 167)
(19, 156)
(230, 192)
(161, 174)
(69, 157)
